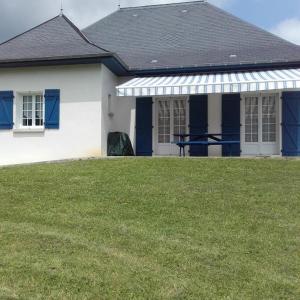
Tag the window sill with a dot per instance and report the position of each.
(28, 130)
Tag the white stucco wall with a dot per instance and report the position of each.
(80, 114)
(123, 109)
(109, 81)
(215, 121)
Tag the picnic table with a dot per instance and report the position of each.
(204, 139)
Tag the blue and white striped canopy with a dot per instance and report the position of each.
(211, 83)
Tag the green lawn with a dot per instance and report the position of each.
(151, 229)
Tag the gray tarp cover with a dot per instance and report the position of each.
(119, 144)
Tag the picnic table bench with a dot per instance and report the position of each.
(205, 139)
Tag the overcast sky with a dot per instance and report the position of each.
(16, 16)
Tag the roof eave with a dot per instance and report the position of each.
(120, 68)
(114, 63)
(56, 58)
(214, 68)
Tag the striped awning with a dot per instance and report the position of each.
(211, 83)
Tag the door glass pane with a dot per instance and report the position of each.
(164, 121)
(269, 118)
(179, 112)
(251, 119)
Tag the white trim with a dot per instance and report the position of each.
(154, 150)
(29, 130)
(280, 123)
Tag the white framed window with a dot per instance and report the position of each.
(164, 121)
(261, 118)
(171, 118)
(269, 118)
(179, 118)
(30, 111)
(251, 119)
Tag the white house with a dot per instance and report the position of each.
(152, 72)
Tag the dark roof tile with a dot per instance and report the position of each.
(54, 39)
(187, 35)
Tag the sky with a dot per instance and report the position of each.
(16, 16)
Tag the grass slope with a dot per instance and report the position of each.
(151, 229)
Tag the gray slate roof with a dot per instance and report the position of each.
(57, 38)
(194, 34)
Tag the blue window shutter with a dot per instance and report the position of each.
(291, 124)
(198, 122)
(6, 110)
(52, 109)
(144, 126)
(231, 123)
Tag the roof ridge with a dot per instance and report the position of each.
(165, 4)
(81, 34)
(77, 30)
(37, 26)
(84, 37)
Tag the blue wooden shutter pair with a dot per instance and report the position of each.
(198, 122)
(291, 124)
(231, 123)
(52, 109)
(144, 126)
(6, 110)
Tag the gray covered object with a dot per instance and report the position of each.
(119, 144)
